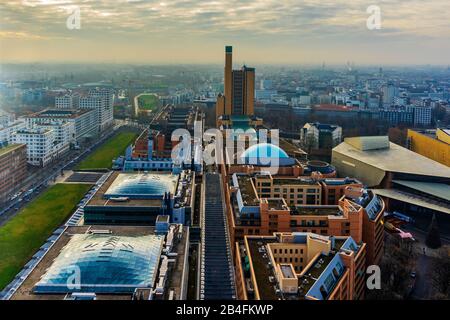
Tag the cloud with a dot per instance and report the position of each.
(286, 17)
(207, 20)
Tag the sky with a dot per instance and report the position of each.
(196, 31)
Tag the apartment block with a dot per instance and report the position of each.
(300, 266)
(357, 213)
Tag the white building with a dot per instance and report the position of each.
(64, 134)
(6, 118)
(101, 100)
(421, 114)
(7, 130)
(84, 120)
(66, 101)
(45, 141)
(320, 136)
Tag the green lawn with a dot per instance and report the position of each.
(22, 236)
(148, 102)
(103, 156)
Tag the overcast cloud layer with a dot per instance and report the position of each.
(190, 31)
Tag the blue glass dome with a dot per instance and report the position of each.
(264, 150)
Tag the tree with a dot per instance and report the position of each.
(396, 265)
(433, 239)
(441, 275)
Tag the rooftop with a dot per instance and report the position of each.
(247, 190)
(390, 157)
(9, 148)
(99, 198)
(294, 181)
(142, 185)
(313, 210)
(59, 113)
(320, 273)
(106, 263)
(112, 260)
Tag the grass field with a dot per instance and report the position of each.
(103, 156)
(22, 236)
(148, 102)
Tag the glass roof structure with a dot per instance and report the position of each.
(103, 263)
(264, 150)
(142, 185)
(266, 154)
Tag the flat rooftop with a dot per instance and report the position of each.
(112, 192)
(26, 292)
(142, 185)
(261, 268)
(393, 158)
(9, 148)
(60, 113)
(294, 181)
(248, 193)
(316, 210)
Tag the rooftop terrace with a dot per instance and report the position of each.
(316, 210)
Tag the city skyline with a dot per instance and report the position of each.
(185, 31)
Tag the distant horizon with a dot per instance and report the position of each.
(220, 64)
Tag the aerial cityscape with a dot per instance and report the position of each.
(223, 160)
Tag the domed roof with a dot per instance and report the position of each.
(264, 150)
(105, 263)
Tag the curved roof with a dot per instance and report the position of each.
(103, 263)
(264, 150)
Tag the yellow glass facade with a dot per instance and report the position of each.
(435, 148)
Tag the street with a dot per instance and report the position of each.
(37, 181)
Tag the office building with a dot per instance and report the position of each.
(352, 211)
(239, 89)
(84, 120)
(390, 91)
(422, 115)
(6, 118)
(44, 143)
(13, 169)
(300, 266)
(320, 136)
(101, 100)
(138, 198)
(408, 182)
(66, 101)
(8, 129)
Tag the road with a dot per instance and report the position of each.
(43, 176)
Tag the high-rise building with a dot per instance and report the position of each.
(101, 100)
(13, 169)
(239, 89)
